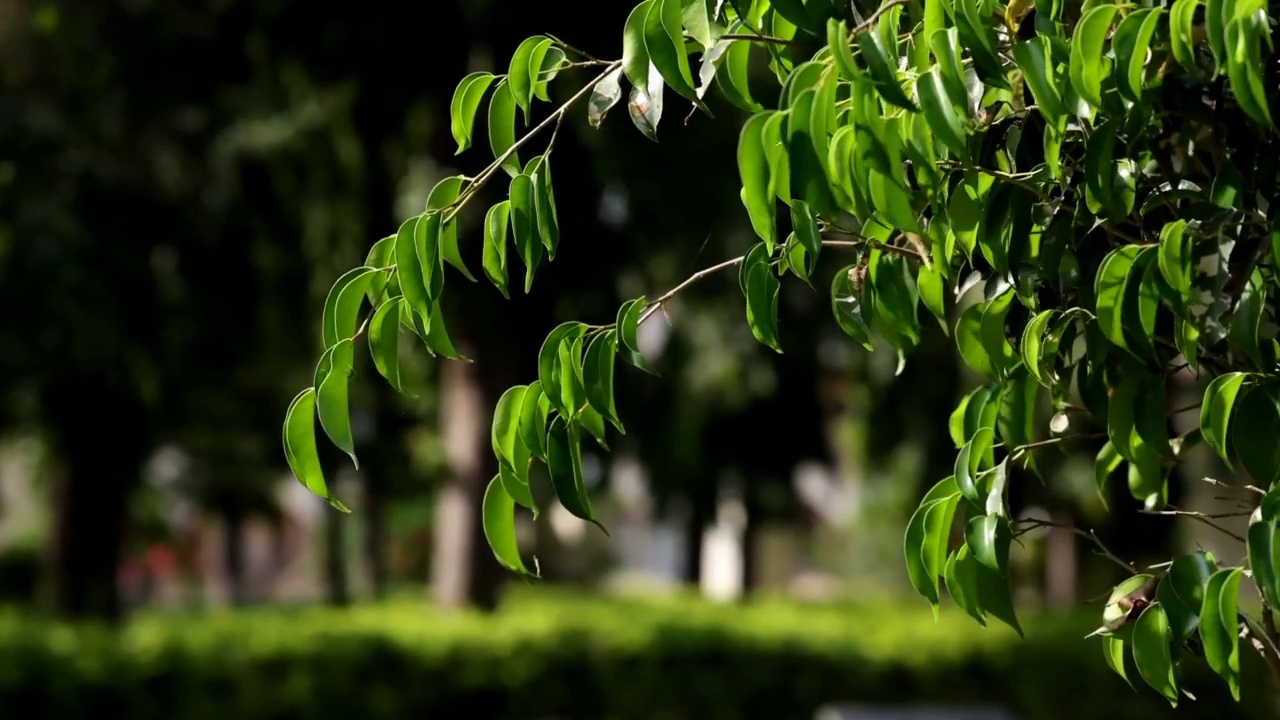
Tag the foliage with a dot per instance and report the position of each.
(562, 656)
(1079, 193)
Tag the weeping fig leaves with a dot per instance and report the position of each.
(1083, 196)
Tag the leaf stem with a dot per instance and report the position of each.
(756, 38)
(1091, 536)
(663, 299)
(1202, 517)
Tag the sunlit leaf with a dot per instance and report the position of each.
(495, 245)
(645, 105)
(502, 127)
(331, 399)
(498, 517)
(524, 226)
(757, 182)
(544, 196)
(762, 305)
(342, 306)
(564, 462)
(1088, 63)
(466, 101)
(1151, 642)
(664, 40)
(1216, 409)
(520, 73)
(299, 437)
(1219, 626)
(384, 341)
(597, 375)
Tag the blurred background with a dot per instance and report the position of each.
(180, 185)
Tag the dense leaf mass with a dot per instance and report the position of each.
(1081, 193)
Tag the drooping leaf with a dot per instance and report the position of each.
(1104, 466)
(410, 271)
(502, 127)
(1181, 33)
(604, 96)
(1032, 346)
(1035, 58)
(938, 519)
(524, 226)
(733, 77)
(439, 202)
(940, 113)
(645, 104)
(520, 73)
(1219, 626)
(1216, 408)
(564, 462)
(1264, 550)
(549, 362)
(664, 41)
(635, 57)
(498, 517)
(299, 437)
(1174, 257)
(846, 305)
(532, 427)
(384, 341)
(757, 181)
(1110, 290)
(988, 538)
(544, 197)
(384, 285)
(1151, 654)
(427, 244)
(597, 375)
(1131, 44)
(1088, 63)
(545, 69)
(495, 245)
(342, 306)
(1255, 431)
(882, 70)
(968, 463)
(762, 305)
(331, 399)
(628, 324)
(466, 101)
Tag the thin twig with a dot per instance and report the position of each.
(1089, 535)
(1250, 488)
(1054, 441)
(1201, 517)
(1266, 645)
(1011, 178)
(871, 19)
(573, 49)
(756, 38)
(868, 242)
(661, 300)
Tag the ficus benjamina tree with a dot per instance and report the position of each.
(1082, 195)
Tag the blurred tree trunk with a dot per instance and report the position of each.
(463, 570)
(337, 583)
(233, 555)
(702, 510)
(99, 434)
(375, 535)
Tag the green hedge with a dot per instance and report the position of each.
(558, 656)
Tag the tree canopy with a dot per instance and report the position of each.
(1079, 193)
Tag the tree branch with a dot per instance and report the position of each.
(662, 300)
(1202, 517)
(1091, 536)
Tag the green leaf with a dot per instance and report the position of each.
(549, 368)
(1151, 642)
(502, 126)
(544, 197)
(635, 57)
(1215, 411)
(524, 225)
(545, 70)
(384, 341)
(342, 306)
(1131, 44)
(1109, 289)
(698, 18)
(969, 340)
(1181, 33)
(733, 77)
(1181, 594)
(997, 345)
(499, 520)
(804, 15)
(564, 462)
(568, 373)
(1215, 19)
(917, 543)
(427, 244)
(1016, 418)
(996, 596)
(975, 33)
(1088, 64)
(664, 40)
(466, 101)
(1032, 345)
(762, 305)
(299, 438)
(431, 328)
(1174, 257)
(882, 70)
(838, 45)
(945, 44)
(628, 323)
(520, 72)
(604, 96)
(645, 105)
(532, 427)
(961, 575)
(1113, 652)
(846, 305)
(331, 399)
(1247, 321)
(757, 180)
(969, 461)
(382, 255)
(1219, 626)
(1035, 59)
(932, 287)
(805, 224)
(442, 197)
(988, 537)
(940, 113)
(1254, 434)
(495, 245)
(597, 375)
(409, 269)
(807, 172)
(938, 519)
(1104, 466)
(506, 421)
(1245, 64)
